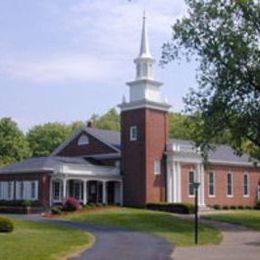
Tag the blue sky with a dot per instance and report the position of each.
(63, 60)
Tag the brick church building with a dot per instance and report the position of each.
(140, 164)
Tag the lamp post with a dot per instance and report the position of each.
(196, 187)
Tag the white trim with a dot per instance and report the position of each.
(133, 132)
(83, 140)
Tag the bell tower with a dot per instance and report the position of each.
(144, 133)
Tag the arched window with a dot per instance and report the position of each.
(83, 140)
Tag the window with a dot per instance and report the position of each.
(133, 133)
(229, 185)
(246, 185)
(57, 189)
(21, 190)
(157, 167)
(211, 184)
(191, 183)
(83, 140)
(33, 190)
(1, 191)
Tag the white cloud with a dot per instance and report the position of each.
(58, 69)
(104, 37)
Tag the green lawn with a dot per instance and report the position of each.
(166, 225)
(31, 241)
(248, 218)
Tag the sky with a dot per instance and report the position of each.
(64, 60)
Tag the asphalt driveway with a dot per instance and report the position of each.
(116, 244)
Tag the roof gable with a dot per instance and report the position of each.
(100, 142)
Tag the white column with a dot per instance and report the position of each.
(64, 195)
(169, 183)
(85, 195)
(178, 166)
(51, 194)
(104, 192)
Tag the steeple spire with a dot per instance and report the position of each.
(144, 49)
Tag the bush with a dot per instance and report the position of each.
(233, 207)
(257, 204)
(6, 225)
(225, 207)
(71, 204)
(57, 210)
(241, 207)
(180, 208)
(216, 206)
(19, 203)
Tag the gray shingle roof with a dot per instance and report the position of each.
(222, 153)
(107, 136)
(42, 164)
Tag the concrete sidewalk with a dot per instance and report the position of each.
(239, 243)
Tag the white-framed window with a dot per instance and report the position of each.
(83, 140)
(26, 190)
(230, 185)
(133, 133)
(7, 190)
(191, 183)
(157, 167)
(57, 190)
(212, 184)
(117, 164)
(246, 185)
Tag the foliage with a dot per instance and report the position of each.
(109, 121)
(6, 225)
(181, 208)
(43, 139)
(13, 145)
(18, 203)
(56, 210)
(257, 204)
(223, 37)
(177, 230)
(71, 204)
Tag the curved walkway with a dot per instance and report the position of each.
(239, 243)
(113, 244)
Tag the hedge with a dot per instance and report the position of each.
(6, 225)
(180, 208)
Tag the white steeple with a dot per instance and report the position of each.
(144, 90)
(144, 62)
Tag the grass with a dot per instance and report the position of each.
(31, 240)
(248, 218)
(174, 229)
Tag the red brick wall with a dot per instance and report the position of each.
(43, 179)
(221, 185)
(140, 183)
(221, 197)
(94, 147)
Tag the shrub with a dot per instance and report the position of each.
(257, 204)
(216, 206)
(71, 204)
(225, 207)
(233, 207)
(19, 203)
(6, 225)
(27, 203)
(181, 208)
(57, 210)
(241, 207)
(248, 207)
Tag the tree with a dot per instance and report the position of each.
(223, 36)
(13, 144)
(109, 121)
(43, 139)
